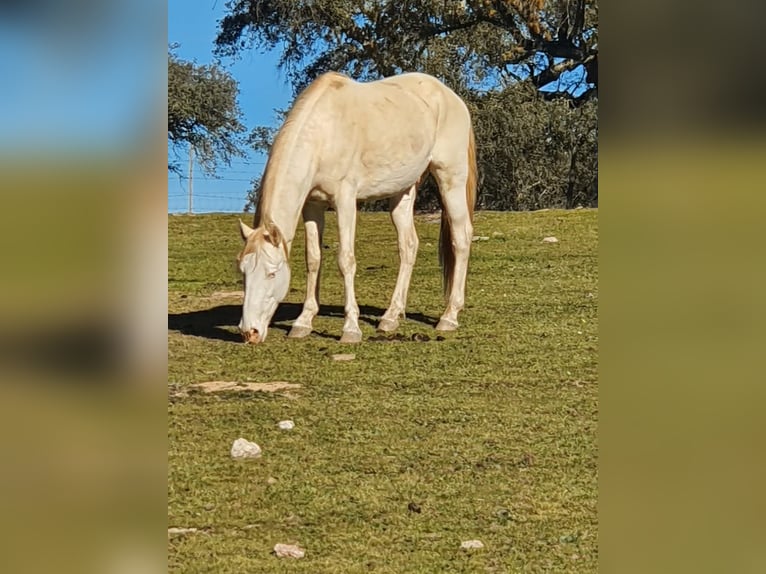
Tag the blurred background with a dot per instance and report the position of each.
(682, 281)
(83, 286)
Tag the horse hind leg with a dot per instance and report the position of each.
(457, 234)
(313, 217)
(402, 214)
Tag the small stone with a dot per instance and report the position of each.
(286, 425)
(480, 238)
(245, 449)
(344, 357)
(472, 544)
(289, 551)
(271, 480)
(550, 240)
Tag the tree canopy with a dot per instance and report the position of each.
(203, 113)
(469, 43)
(528, 70)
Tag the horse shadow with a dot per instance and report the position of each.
(215, 323)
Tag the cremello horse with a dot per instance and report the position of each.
(345, 141)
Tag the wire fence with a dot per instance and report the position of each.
(225, 192)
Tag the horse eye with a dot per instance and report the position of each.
(272, 275)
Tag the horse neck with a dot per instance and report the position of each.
(282, 197)
(292, 165)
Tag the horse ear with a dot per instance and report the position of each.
(272, 234)
(245, 230)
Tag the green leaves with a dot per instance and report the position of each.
(203, 112)
(444, 38)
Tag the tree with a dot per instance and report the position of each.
(203, 113)
(536, 153)
(465, 42)
(528, 70)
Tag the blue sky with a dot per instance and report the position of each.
(262, 87)
(78, 80)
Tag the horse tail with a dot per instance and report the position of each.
(472, 182)
(446, 253)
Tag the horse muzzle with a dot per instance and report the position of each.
(252, 337)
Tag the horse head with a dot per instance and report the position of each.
(266, 270)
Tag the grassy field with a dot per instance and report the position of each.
(413, 446)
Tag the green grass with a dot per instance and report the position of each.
(492, 432)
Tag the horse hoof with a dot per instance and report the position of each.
(351, 337)
(388, 325)
(446, 325)
(299, 332)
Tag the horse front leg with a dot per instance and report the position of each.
(402, 214)
(345, 205)
(313, 217)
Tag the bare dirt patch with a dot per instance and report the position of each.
(226, 295)
(223, 386)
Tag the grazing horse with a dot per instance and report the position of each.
(345, 141)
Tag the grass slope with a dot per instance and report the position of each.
(491, 432)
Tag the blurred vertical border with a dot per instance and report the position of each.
(83, 350)
(683, 296)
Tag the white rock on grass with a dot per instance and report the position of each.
(286, 425)
(245, 449)
(472, 544)
(289, 551)
(550, 240)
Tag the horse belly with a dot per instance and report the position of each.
(389, 182)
